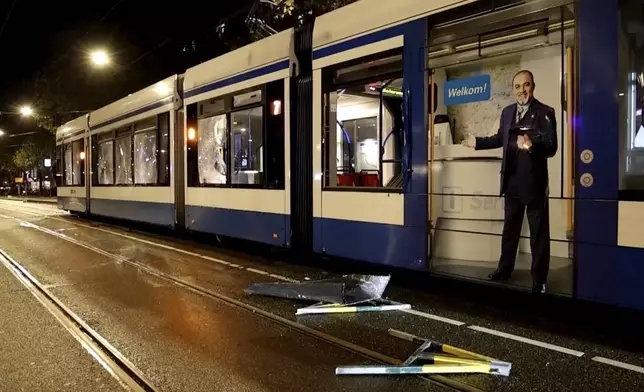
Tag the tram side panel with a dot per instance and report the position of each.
(237, 132)
(131, 139)
(363, 78)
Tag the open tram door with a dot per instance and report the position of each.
(474, 58)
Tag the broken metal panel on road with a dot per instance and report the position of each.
(349, 294)
(348, 290)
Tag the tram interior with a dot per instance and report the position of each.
(466, 213)
(365, 149)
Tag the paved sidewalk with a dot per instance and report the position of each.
(35, 199)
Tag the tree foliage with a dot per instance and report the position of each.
(33, 152)
(49, 101)
(6, 165)
(284, 14)
(26, 157)
(59, 98)
(319, 7)
(62, 94)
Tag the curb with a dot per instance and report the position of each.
(37, 201)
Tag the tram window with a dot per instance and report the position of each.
(136, 154)
(58, 167)
(238, 140)
(252, 97)
(74, 163)
(247, 145)
(103, 158)
(105, 163)
(273, 143)
(359, 145)
(79, 162)
(363, 123)
(211, 107)
(213, 149)
(192, 153)
(163, 149)
(68, 158)
(123, 161)
(145, 152)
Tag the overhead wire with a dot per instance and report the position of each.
(142, 56)
(6, 18)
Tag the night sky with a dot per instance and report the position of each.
(148, 41)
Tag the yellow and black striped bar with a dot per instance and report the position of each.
(439, 347)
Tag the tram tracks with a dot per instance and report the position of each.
(372, 355)
(119, 367)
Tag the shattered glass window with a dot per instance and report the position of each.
(212, 150)
(106, 163)
(77, 150)
(163, 148)
(145, 157)
(69, 163)
(124, 161)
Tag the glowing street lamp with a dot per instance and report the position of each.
(99, 58)
(1, 132)
(26, 111)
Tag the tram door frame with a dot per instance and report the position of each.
(529, 13)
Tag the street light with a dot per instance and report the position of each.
(99, 58)
(1, 132)
(26, 111)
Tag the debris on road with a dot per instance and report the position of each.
(337, 295)
(433, 358)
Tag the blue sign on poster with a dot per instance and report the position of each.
(467, 90)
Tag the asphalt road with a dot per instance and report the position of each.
(184, 340)
(36, 352)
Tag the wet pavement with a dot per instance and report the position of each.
(173, 334)
(183, 341)
(36, 351)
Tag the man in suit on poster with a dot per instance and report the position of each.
(528, 136)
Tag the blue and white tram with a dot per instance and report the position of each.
(343, 138)
(71, 153)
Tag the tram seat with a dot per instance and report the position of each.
(347, 179)
(369, 179)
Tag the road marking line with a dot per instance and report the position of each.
(434, 317)
(619, 364)
(257, 271)
(527, 341)
(425, 314)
